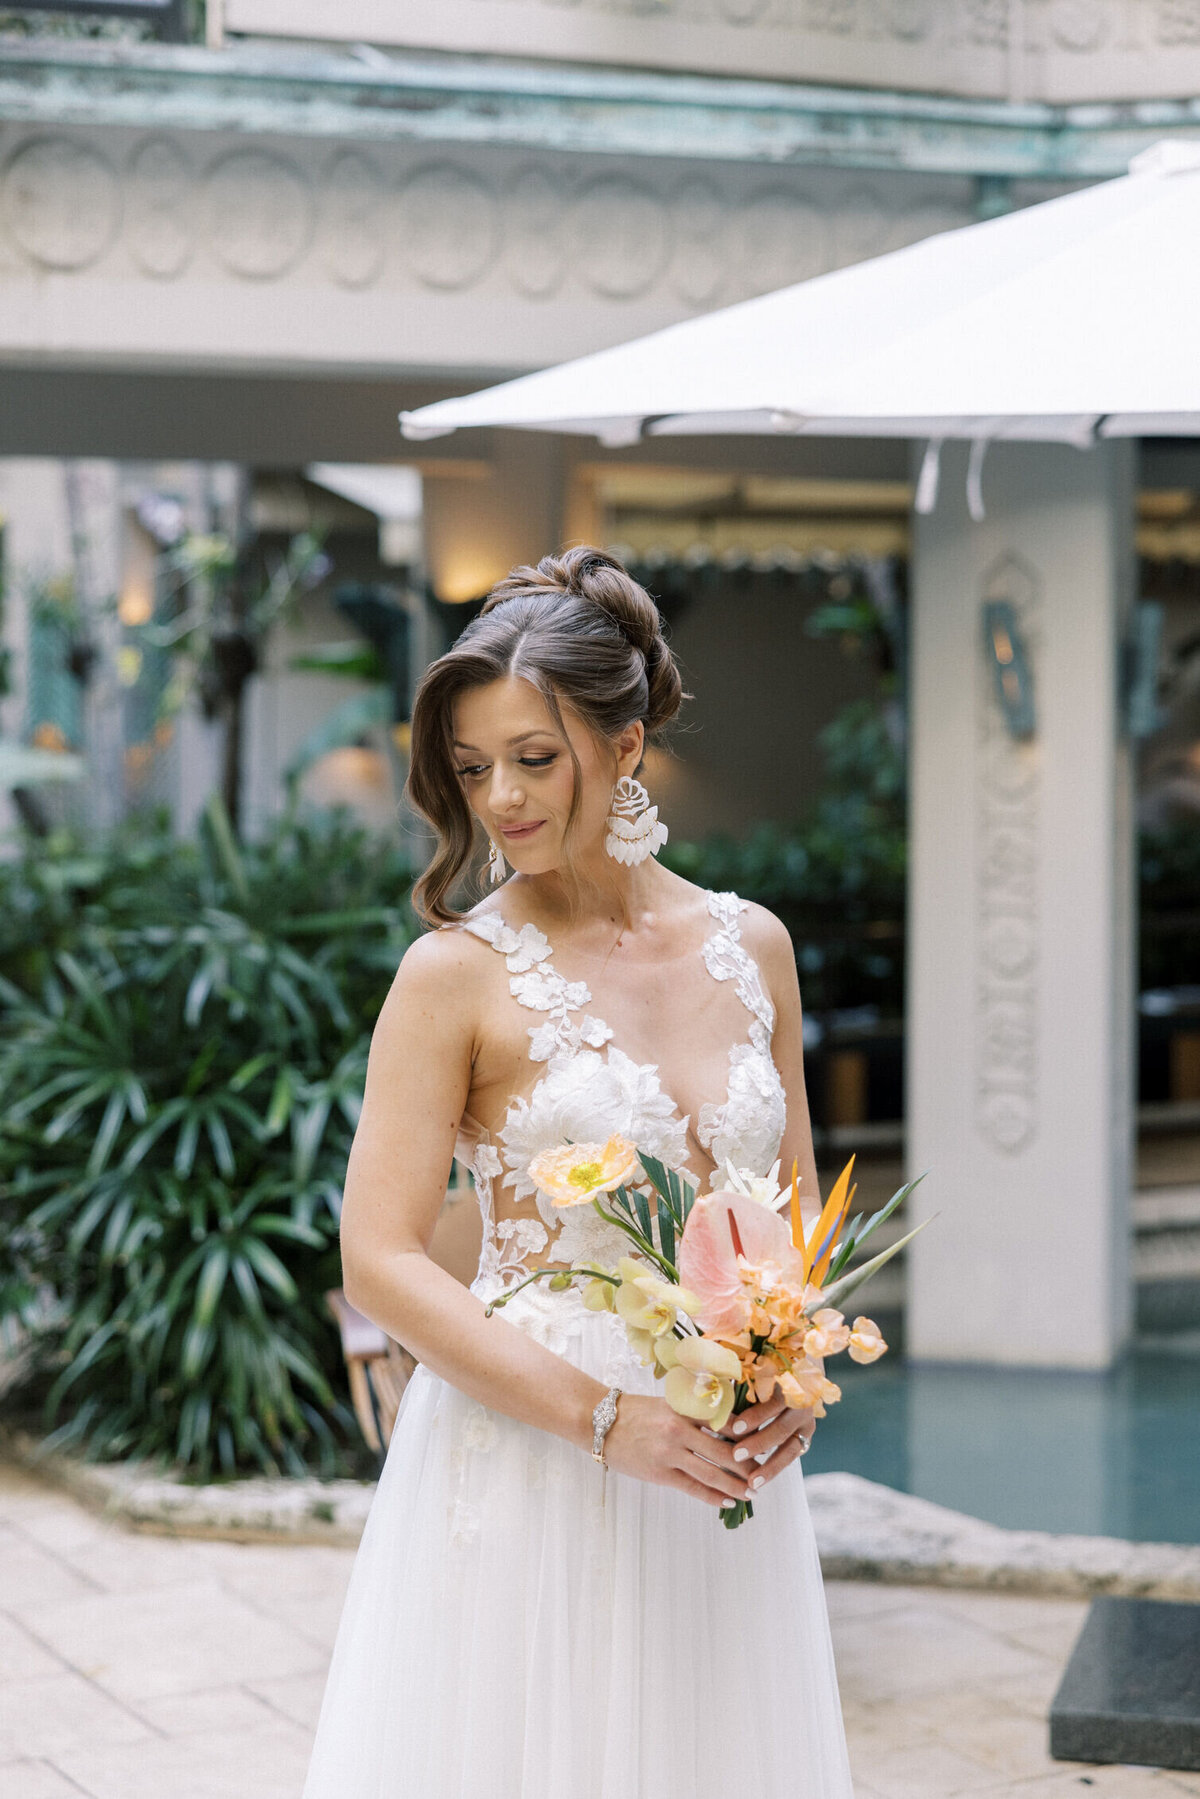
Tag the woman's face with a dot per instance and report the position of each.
(516, 770)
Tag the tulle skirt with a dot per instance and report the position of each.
(505, 1633)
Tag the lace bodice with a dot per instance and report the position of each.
(591, 1090)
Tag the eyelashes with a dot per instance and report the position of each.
(480, 768)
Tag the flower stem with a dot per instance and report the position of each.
(638, 1237)
(502, 1299)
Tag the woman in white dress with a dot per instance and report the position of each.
(511, 1628)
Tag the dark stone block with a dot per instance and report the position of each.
(1131, 1690)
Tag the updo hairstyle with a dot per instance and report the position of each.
(580, 630)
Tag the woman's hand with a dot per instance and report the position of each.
(652, 1442)
(770, 1429)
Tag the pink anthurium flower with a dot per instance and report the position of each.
(711, 1267)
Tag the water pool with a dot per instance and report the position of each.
(1115, 1454)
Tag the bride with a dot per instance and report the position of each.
(512, 1627)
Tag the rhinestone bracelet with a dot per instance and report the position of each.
(603, 1419)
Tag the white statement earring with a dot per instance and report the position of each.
(497, 867)
(633, 828)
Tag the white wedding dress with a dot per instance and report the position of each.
(504, 1633)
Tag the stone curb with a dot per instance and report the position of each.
(864, 1531)
(243, 1511)
(870, 1532)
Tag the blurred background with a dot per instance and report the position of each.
(236, 240)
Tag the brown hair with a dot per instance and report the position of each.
(583, 632)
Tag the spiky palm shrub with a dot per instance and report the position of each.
(183, 1039)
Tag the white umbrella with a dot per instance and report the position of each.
(1071, 319)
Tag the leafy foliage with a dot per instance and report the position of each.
(183, 1039)
(837, 878)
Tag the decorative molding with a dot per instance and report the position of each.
(620, 236)
(1008, 781)
(161, 229)
(260, 213)
(62, 203)
(449, 225)
(699, 257)
(535, 249)
(539, 229)
(351, 206)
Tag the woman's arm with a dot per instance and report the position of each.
(418, 1078)
(418, 1081)
(772, 948)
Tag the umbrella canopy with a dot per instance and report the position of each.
(1071, 319)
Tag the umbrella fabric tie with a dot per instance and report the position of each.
(927, 480)
(975, 479)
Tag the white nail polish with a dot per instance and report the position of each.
(756, 1482)
(739, 1428)
(741, 1455)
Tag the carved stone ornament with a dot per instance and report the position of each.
(160, 214)
(260, 214)
(351, 210)
(1007, 790)
(61, 202)
(449, 226)
(620, 236)
(699, 255)
(535, 250)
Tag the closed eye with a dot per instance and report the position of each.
(472, 770)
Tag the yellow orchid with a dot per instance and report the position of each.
(599, 1295)
(647, 1302)
(642, 1345)
(701, 1383)
(575, 1173)
(653, 1312)
(866, 1344)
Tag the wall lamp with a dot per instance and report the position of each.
(1010, 665)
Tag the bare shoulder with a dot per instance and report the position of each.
(770, 943)
(440, 970)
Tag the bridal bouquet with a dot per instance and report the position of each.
(722, 1297)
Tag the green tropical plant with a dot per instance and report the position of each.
(836, 876)
(183, 1040)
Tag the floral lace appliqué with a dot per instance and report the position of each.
(747, 1128)
(591, 1090)
(538, 986)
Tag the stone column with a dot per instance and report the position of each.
(484, 517)
(1021, 919)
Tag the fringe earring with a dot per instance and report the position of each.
(633, 828)
(497, 867)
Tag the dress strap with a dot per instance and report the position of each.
(536, 984)
(727, 959)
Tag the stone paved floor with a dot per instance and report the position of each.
(136, 1667)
